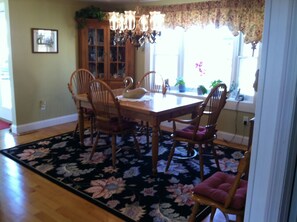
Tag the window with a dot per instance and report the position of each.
(201, 56)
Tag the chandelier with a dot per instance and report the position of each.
(145, 29)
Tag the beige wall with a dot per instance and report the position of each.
(44, 76)
(231, 121)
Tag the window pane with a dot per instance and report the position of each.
(167, 65)
(201, 56)
(166, 54)
(208, 56)
(247, 67)
(246, 77)
(247, 50)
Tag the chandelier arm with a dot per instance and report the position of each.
(126, 27)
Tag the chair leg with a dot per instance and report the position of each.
(213, 212)
(75, 130)
(170, 155)
(215, 156)
(239, 218)
(113, 150)
(190, 149)
(94, 145)
(226, 216)
(194, 212)
(201, 162)
(147, 135)
(92, 128)
(136, 144)
(160, 135)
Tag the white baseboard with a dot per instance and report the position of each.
(238, 139)
(25, 128)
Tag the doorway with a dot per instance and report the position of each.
(5, 84)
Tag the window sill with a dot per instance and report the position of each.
(232, 104)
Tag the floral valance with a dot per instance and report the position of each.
(246, 16)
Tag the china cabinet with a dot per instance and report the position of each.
(102, 57)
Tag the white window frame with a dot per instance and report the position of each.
(247, 105)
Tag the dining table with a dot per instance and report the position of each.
(153, 108)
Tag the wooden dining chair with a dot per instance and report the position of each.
(152, 81)
(200, 132)
(79, 84)
(224, 191)
(108, 116)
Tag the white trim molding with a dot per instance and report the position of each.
(238, 139)
(29, 127)
(272, 163)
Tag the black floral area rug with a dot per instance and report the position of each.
(128, 191)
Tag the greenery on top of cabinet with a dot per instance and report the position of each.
(90, 12)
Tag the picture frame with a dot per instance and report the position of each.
(44, 40)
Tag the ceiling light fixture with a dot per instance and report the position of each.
(137, 29)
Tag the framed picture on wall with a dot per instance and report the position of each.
(44, 40)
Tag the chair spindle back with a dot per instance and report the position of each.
(104, 102)
(152, 81)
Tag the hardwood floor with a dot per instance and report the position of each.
(28, 197)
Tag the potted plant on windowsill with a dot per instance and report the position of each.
(201, 90)
(215, 82)
(181, 85)
(200, 66)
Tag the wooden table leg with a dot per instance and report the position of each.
(155, 148)
(81, 124)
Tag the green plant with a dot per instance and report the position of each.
(180, 81)
(215, 82)
(90, 12)
(202, 89)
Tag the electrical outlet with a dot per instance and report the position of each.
(42, 105)
(245, 120)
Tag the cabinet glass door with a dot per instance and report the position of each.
(117, 68)
(96, 52)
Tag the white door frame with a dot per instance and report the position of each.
(274, 147)
(5, 73)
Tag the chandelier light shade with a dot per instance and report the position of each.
(137, 29)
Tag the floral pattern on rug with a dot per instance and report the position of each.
(129, 191)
